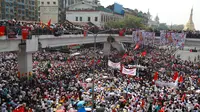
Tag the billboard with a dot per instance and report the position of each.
(118, 8)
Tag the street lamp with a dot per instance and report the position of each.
(95, 37)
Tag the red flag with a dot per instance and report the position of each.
(69, 61)
(18, 74)
(85, 33)
(77, 75)
(19, 109)
(155, 76)
(143, 103)
(137, 46)
(144, 53)
(122, 32)
(180, 79)
(2, 30)
(91, 62)
(198, 80)
(49, 23)
(125, 55)
(25, 33)
(162, 109)
(183, 97)
(99, 61)
(175, 76)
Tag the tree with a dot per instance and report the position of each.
(176, 27)
(127, 22)
(163, 26)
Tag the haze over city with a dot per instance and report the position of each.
(169, 11)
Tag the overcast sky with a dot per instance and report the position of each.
(169, 11)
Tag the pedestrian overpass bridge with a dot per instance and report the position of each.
(25, 50)
(7, 45)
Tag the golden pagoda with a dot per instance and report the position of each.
(190, 24)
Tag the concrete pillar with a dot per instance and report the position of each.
(25, 55)
(24, 60)
(106, 48)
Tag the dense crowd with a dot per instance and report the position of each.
(61, 81)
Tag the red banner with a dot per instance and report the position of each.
(2, 30)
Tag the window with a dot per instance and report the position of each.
(88, 18)
(96, 18)
(48, 3)
(80, 18)
(54, 3)
(76, 18)
(101, 18)
(42, 3)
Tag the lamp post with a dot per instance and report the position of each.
(93, 76)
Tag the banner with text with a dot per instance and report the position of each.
(143, 37)
(114, 65)
(173, 39)
(131, 72)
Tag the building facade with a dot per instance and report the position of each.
(152, 23)
(85, 11)
(19, 9)
(99, 18)
(49, 10)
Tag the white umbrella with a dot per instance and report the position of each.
(89, 79)
(75, 54)
(112, 93)
(105, 77)
(197, 91)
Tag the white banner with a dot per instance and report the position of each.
(167, 84)
(129, 71)
(114, 65)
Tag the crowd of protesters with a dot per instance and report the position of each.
(59, 81)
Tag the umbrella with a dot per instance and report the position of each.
(88, 109)
(89, 79)
(112, 93)
(80, 103)
(105, 76)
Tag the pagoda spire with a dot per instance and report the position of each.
(190, 24)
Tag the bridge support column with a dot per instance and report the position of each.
(106, 48)
(24, 60)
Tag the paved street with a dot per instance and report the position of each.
(186, 54)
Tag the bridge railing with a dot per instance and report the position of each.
(14, 31)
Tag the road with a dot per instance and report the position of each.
(184, 55)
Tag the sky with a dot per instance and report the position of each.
(169, 11)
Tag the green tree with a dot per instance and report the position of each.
(127, 22)
(163, 26)
(177, 27)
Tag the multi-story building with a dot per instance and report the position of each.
(85, 11)
(19, 9)
(64, 5)
(49, 9)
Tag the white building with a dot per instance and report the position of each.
(89, 12)
(71, 2)
(49, 9)
(151, 22)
